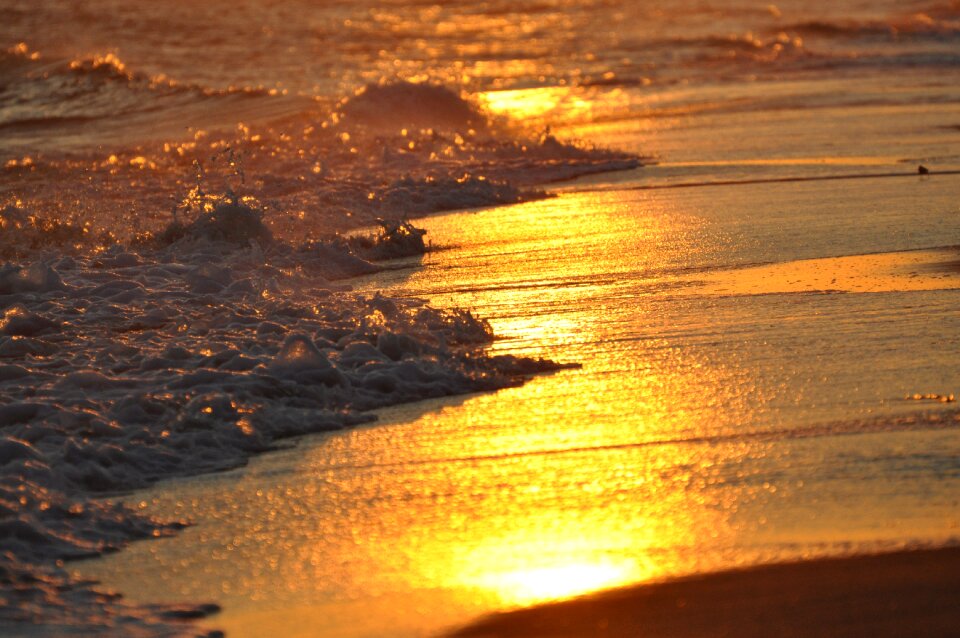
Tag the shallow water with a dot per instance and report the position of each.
(705, 430)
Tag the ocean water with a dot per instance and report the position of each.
(749, 286)
(705, 430)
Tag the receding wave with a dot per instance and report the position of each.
(287, 352)
(177, 255)
(195, 311)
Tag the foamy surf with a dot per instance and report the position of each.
(141, 342)
(174, 178)
(392, 149)
(131, 364)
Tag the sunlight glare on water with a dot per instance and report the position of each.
(545, 104)
(703, 431)
(731, 407)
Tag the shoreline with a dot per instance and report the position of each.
(214, 622)
(895, 271)
(912, 592)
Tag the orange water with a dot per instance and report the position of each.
(735, 405)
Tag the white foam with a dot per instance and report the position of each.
(122, 367)
(216, 333)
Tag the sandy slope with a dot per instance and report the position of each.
(915, 593)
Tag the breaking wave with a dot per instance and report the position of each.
(392, 106)
(171, 308)
(391, 150)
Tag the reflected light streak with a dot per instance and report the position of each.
(520, 104)
(530, 586)
(557, 488)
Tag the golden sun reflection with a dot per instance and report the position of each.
(530, 586)
(559, 490)
(524, 104)
(620, 472)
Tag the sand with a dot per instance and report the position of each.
(899, 271)
(910, 593)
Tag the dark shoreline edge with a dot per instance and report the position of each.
(903, 593)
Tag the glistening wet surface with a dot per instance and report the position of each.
(705, 429)
(746, 347)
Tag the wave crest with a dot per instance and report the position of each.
(937, 21)
(51, 102)
(397, 105)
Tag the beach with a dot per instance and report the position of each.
(679, 448)
(367, 319)
(899, 594)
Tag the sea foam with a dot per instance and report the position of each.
(186, 355)
(140, 342)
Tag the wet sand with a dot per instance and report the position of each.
(902, 271)
(912, 593)
(732, 430)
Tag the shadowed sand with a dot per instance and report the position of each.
(914, 593)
